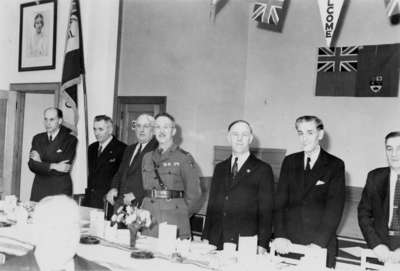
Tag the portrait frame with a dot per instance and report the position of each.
(37, 36)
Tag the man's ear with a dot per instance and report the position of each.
(321, 134)
(173, 131)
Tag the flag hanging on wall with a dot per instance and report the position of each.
(393, 10)
(269, 12)
(360, 71)
(72, 96)
(330, 13)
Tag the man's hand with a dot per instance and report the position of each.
(128, 197)
(261, 250)
(395, 258)
(282, 245)
(382, 252)
(62, 166)
(111, 195)
(35, 156)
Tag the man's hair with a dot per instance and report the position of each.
(149, 117)
(170, 117)
(105, 118)
(391, 135)
(60, 114)
(318, 121)
(240, 121)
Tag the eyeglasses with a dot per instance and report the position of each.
(165, 127)
(140, 126)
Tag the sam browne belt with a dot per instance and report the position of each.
(164, 194)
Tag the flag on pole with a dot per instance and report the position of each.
(330, 13)
(393, 10)
(72, 96)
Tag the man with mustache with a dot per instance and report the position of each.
(171, 181)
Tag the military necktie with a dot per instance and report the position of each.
(50, 138)
(395, 225)
(235, 167)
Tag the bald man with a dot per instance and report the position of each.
(127, 184)
(51, 157)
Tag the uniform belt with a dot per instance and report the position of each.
(164, 194)
(394, 233)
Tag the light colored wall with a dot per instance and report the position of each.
(281, 76)
(171, 48)
(100, 30)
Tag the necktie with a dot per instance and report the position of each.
(395, 225)
(235, 167)
(50, 138)
(308, 165)
(99, 150)
(136, 157)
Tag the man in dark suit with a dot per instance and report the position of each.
(379, 208)
(56, 234)
(51, 156)
(104, 157)
(241, 196)
(310, 196)
(127, 182)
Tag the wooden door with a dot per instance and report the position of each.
(129, 108)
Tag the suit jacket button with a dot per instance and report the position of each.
(224, 213)
(226, 197)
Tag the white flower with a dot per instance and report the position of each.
(114, 218)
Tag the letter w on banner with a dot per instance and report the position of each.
(73, 96)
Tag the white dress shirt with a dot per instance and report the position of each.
(313, 157)
(105, 143)
(241, 159)
(392, 180)
(136, 150)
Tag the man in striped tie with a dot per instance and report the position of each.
(379, 208)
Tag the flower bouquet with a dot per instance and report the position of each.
(134, 218)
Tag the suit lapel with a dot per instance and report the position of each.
(318, 170)
(245, 170)
(106, 153)
(383, 189)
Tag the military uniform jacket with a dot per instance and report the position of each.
(128, 178)
(373, 209)
(51, 182)
(242, 206)
(310, 212)
(101, 171)
(178, 171)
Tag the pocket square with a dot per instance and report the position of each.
(320, 182)
(59, 150)
(112, 160)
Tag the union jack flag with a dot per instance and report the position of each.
(268, 12)
(338, 59)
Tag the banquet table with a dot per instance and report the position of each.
(117, 255)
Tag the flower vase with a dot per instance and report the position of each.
(133, 230)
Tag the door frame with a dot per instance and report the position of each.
(123, 100)
(21, 89)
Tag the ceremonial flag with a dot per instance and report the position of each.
(393, 10)
(72, 96)
(336, 71)
(378, 73)
(361, 71)
(330, 13)
(269, 12)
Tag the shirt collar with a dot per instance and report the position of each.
(241, 158)
(54, 135)
(313, 156)
(105, 143)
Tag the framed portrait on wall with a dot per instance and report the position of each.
(37, 35)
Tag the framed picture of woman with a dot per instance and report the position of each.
(37, 35)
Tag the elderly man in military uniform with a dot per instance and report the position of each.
(171, 181)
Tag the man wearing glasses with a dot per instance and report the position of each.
(171, 181)
(127, 182)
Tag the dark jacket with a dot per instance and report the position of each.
(242, 208)
(310, 212)
(373, 209)
(102, 170)
(51, 182)
(129, 177)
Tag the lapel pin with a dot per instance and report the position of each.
(248, 170)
